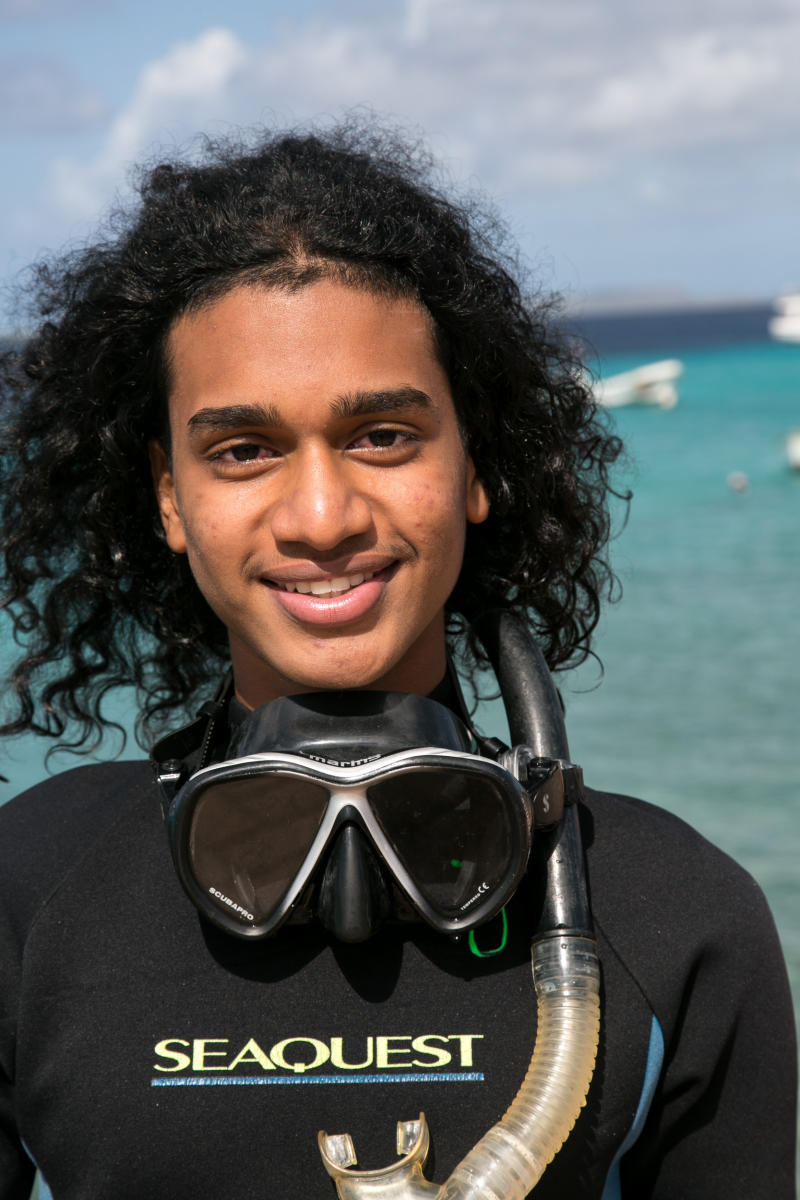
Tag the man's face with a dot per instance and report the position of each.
(318, 485)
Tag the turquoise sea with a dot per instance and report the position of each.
(697, 706)
(698, 710)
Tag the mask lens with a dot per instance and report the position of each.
(451, 831)
(249, 837)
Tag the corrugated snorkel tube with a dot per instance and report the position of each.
(509, 1160)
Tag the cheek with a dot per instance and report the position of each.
(439, 518)
(212, 550)
(442, 503)
(205, 536)
(214, 523)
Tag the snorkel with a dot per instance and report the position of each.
(509, 1160)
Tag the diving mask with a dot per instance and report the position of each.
(386, 780)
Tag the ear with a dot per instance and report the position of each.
(477, 500)
(167, 501)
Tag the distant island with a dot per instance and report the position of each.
(659, 322)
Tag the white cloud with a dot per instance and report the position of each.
(179, 92)
(694, 87)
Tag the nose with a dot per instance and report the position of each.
(321, 504)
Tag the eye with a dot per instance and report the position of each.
(246, 453)
(383, 439)
(243, 452)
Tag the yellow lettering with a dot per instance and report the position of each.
(200, 1054)
(387, 1052)
(162, 1049)
(252, 1053)
(465, 1041)
(383, 1050)
(321, 1054)
(439, 1057)
(337, 1059)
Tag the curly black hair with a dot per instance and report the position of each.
(96, 598)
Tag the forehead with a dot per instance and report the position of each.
(317, 338)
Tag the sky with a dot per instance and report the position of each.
(636, 149)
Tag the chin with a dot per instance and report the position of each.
(347, 676)
(348, 681)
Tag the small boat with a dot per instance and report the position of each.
(653, 383)
(793, 448)
(785, 325)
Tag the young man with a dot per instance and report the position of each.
(296, 420)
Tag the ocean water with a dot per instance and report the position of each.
(697, 705)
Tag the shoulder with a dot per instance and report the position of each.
(654, 846)
(62, 805)
(652, 858)
(691, 930)
(670, 903)
(47, 828)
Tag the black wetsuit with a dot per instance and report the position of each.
(144, 1054)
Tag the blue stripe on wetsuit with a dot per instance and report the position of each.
(652, 1071)
(44, 1192)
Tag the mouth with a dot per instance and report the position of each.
(327, 587)
(335, 600)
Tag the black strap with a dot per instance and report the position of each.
(172, 755)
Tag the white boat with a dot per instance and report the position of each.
(653, 383)
(793, 448)
(785, 325)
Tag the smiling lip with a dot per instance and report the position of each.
(331, 599)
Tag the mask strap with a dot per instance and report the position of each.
(169, 755)
(489, 747)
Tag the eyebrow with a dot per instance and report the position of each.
(364, 404)
(351, 404)
(234, 416)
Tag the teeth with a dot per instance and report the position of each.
(327, 587)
